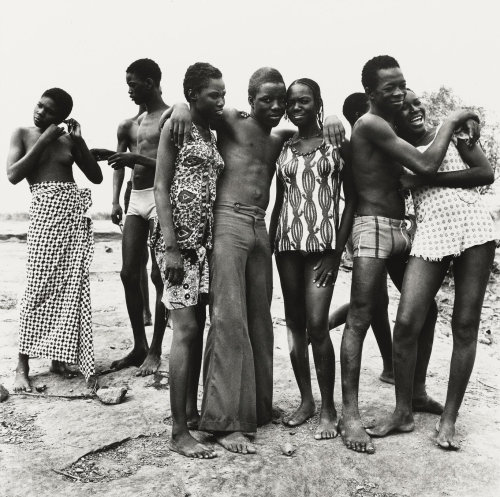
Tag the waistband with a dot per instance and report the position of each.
(249, 210)
(70, 185)
(145, 190)
(398, 223)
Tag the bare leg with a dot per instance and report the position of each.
(317, 303)
(380, 326)
(291, 269)
(192, 414)
(421, 401)
(135, 233)
(148, 320)
(471, 272)
(153, 359)
(421, 282)
(22, 382)
(366, 276)
(186, 333)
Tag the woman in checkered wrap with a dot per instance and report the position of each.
(55, 309)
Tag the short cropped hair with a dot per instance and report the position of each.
(146, 68)
(316, 91)
(369, 76)
(198, 75)
(355, 105)
(261, 76)
(62, 99)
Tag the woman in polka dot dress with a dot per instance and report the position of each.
(453, 226)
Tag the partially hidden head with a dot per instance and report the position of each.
(54, 106)
(143, 78)
(304, 102)
(267, 96)
(384, 83)
(410, 120)
(205, 89)
(355, 105)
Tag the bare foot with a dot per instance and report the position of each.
(236, 442)
(61, 368)
(193, 420)
(150, 364)
(22, 382)
(446, 435)
(395, 423)
(328, 425)
(387, 377)
(354, 435)
(148, 319)
(426, 404)
(301, 415)
(134, 358)
(188, 446)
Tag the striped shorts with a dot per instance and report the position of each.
(379, 237)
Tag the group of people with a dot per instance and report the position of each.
(202, 199)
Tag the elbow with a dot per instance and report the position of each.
(489, 178)
(97, 180)
(13, 178)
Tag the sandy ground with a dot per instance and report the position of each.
(69, 445)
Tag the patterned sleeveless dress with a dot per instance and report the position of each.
(309, 217)
(449, 220)
(192, 195)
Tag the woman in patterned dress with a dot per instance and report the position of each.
(308, 241)
(453, 226)
(185, 193)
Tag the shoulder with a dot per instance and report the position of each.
(125, 127)
(371, 126)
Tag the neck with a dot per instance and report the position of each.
(155, 102)
(309, 130)
(387, 115)
(262, 126)
(198, 119)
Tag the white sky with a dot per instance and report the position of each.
(85, 47)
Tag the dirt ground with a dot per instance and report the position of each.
(61, 442)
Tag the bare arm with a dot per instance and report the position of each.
(479, 173)
(328, 267)
(167, 153)
(123, 136)
(378, 131)
(21, 163)
(83, 158)
(278, 203)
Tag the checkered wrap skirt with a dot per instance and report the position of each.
(56, 321)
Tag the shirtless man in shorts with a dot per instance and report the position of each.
(127, 140)
(379, 235)
(238, 367)
(143, 80)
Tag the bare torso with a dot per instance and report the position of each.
(56, 160)
(249, 154)
(148, 137)
(376, 178)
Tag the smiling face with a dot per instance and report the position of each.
(390, 91)
(411, 118)
(301, 108)
(209, 100)
(268, 105)
(46, 113)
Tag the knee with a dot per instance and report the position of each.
(359, 319)
(317, 331)
(465, 332)
(187, 332)
(295, 322)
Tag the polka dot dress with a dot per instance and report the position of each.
(449, 220)
(56, 321)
